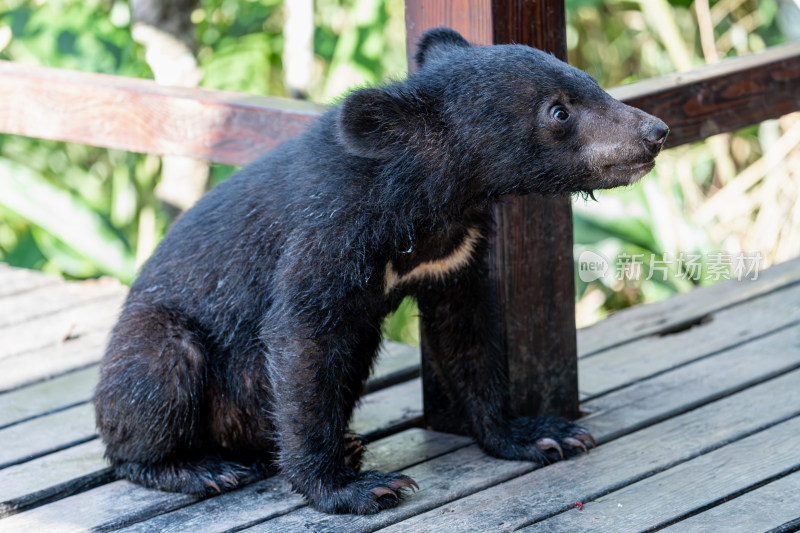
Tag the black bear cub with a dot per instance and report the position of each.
(246, 340)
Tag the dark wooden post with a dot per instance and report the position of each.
(531, 250)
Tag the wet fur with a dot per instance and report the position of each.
(247, 337)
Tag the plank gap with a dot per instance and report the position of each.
(43, 413)
(635, 381)
(47, 378)
(723, 499)
(37, 455)
(692, 406)
(671, 464)
(71, 306)
(667, 325)
(393, 378)
(788, 527)
(57, 492)
(46, 284)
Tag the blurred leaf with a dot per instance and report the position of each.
(403, 324)
(26, 253)
(60, 214)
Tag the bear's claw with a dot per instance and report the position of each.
(393, 487)
(543, 440)
(550, 444)
(380, 492)
(403, 482)
(576, 443)
(584, 436)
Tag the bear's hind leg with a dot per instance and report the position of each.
(150, 405)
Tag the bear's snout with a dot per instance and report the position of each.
(655, 137)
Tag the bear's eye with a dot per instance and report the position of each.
(560, 114)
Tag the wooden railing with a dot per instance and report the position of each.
(531, 252)
(232, 128)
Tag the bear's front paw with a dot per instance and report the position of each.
(368, 493)
(543, 440)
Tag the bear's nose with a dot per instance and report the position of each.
(656, 136)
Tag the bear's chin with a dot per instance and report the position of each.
(625, 174)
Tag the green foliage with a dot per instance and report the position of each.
(360, 42)
(619, 42)
(84, 211)
(69, 208)
(240, 45)
(403, 324)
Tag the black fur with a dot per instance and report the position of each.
(247, 337)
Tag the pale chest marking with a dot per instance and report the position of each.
(439, 268)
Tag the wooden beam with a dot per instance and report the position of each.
(726, 96)
(142, 116)
(224, 127)
(530, 254)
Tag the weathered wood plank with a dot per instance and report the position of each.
(45, 300)
(762, 509)
(61, 327)
(54, 360)
(547, 491)
(729, 95)
(654, 399)
(641, 358)
(142, 116)
(682, 309)
(53, 476)
(272, 497)
(389, 410)
(18, 280)
(396, 362)
(686, 487)
(124, 503)
(623, 410)
(53, 394)
(46, 434)
(103, 508)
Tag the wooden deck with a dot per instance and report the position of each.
(695, 403)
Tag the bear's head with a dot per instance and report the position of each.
(505, 119)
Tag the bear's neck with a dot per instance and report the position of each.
(428, 194)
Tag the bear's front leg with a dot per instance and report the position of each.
(316, 379)
(459, 323)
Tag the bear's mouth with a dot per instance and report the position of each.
(635, 167)
(628, 173)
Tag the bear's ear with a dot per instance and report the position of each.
(376, 122)
(436, 42)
